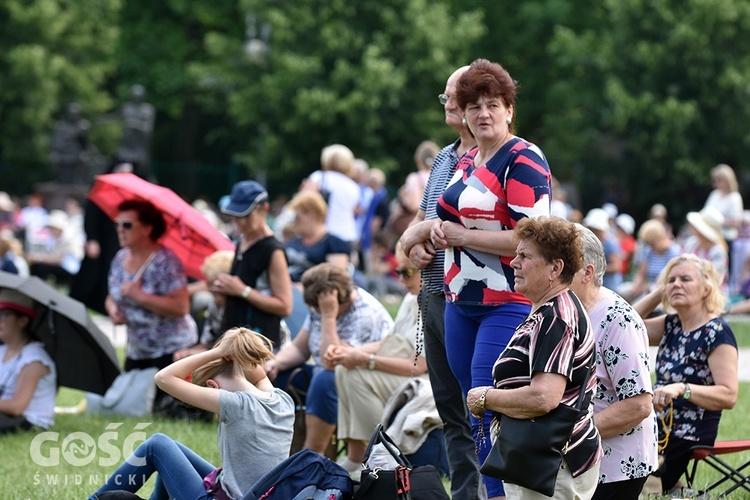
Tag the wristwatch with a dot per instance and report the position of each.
(371, 363)
(246, 291)
(686, 394)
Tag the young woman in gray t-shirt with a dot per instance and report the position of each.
(256, 422)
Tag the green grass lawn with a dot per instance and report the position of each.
(742, 333)
(72, 459)
(80, 451)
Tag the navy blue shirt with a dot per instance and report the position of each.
(303, 257)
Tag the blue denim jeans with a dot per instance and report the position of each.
(475, 335)
(180, 470)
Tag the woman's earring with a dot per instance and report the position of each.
(463, 122)
(508, 120)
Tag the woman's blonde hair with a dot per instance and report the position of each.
(337, 157)
(726, 172)
(249, 349)
(310, 201)
(651, 231)
(9, 242)
(707, 275)
(217, 263)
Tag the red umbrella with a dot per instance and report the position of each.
(189, 234)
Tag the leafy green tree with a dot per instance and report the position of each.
(365, 75)
(159, 42)
(52, 52)
(656, 94)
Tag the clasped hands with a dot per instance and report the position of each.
(444, 234)
(344, 354)
(227, 284)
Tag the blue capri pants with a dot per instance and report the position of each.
(322, 400)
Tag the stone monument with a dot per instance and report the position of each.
(70, 142)
(138, 125)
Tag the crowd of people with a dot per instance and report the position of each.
(513, 303)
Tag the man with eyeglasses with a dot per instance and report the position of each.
(466, 482)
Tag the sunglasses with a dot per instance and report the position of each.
(405, 273)
(6, 313)
(124, 224)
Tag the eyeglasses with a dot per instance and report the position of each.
(405, 273)
(124, 224)
(444, 98)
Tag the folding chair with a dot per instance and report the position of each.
(296, 386)
(732, 475)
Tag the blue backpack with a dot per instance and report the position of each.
(305, 475)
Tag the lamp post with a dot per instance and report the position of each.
(257, 48)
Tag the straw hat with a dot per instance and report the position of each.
(708, 223)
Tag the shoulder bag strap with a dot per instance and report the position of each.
(373, 441)
(367, 481)
(379, 436)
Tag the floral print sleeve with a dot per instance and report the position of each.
(622, 370)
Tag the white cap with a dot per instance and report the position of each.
(611, 210)
(57, 219)
(597, 219)
(626, 223)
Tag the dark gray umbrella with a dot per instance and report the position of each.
(84, 356)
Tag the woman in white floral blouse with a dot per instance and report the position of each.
(696, 365)
(623, 412)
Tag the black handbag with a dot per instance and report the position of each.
(529, 452)
(405, 482)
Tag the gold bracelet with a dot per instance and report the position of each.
(483, 398)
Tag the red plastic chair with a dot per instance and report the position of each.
(733, 475)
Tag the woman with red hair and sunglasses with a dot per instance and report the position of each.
(148, 290)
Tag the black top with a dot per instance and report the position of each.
(252, 268)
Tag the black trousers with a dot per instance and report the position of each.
(466, 481)
(629, 489)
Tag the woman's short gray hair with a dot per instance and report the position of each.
(593, 253)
